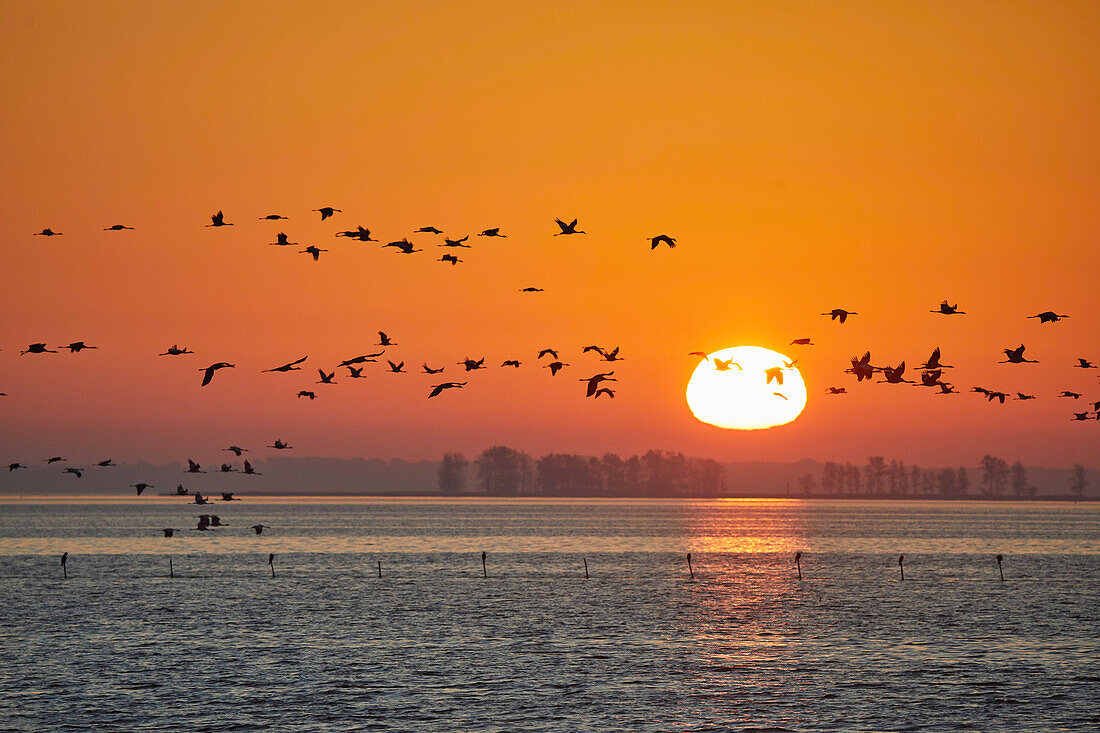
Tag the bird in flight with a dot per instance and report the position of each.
(438, 388)
(307, 393)
(218, 220)
(555, 367)
(14, 466)
(1022, 396)
(455, 242)
(107, 463)
(1081, 416)
(176, 351)
(47, 232)
(774, 374)
(404, 245)
(839, 314)
(531, 290)
(396, 368)
(288, 367)
(281, 240)
(429, 370)
(428, 230)
(494, 232)
(280, 445)
(55, 459)
(550, 352)
(140, 487)
(570, 228)
(1084, 364)
(594, 382)
(930, 378)
(236, 450)
(312, 250)
(450, 258)
(226, 468)
(326, 378)
(934, 361)
(661, 239)
(895, 375)
(116, 228)
(1049, 317)
(510, 362)
(169, 531)
(193, 467)
(725, 365)
(1016, 356)
(37, 349)
(946, 389)
(801, 342)
(948, 310)
(78, 472)
(1072, 395)
(384, 340)
(472, 365)
(327, 211)
(861, 367)
(361, 359)
(259, 528)
(836, 390)
(208, 372)
(272, 217)
(604, 391)
(249, 470)
(77, 346)
(355, 373)
(360, 233)
(607, 355)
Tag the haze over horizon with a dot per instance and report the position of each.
(879, 159)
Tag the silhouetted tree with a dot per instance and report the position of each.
(1020, 486)
(876, 468)
(829, 478)
(947, 482)
(502, 470)
(962, 481)
(1077, 481)
(806, 483)
(452, 473)
(994, 476)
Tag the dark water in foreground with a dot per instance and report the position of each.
(327, 645)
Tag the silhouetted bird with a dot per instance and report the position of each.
(604, 391)
(555, 367)
(934, 361)
(894, 375)
(801, 342)
(47, 232)
(228, 496)
(227, 468)
(398, 368)
(15, 466)
(1022, 396)
(208, 372)
(1080, 416)
(429, 230)
(551, 352)
(218, 220)
(661, 239)
(106, 464)
(1084, 364)
(204, 523)
(930, 378)
(607, 355)
(259, 528)
(700, 354)
(78, 472)
(307, 393)
(774, 374)
(1016, 356)
(193, 467)
(363, 358)
(1067, 393)
(494, 232)
(288, 367)
(472, 365)
(404, 246)
(249, 470)
(429, 370)
(455, 242)
(991, 395)
(1049, 317)
(948, 310)
(327, 211)
(116, 228)
(312, 250)
(836, 390)
(531, 290)
(510, 362)
(861, 367)
(724, 365)
(37, 349)
(450, 258)
(570, 228)
(594, 382)
(77, 346)
(839, 314)
(280, 445)
(169, 531)
(281, 240)
(200, 499)
(326, 378)
(946, 389)
(176, 351)
(180, 491)
(355, 373)
(55, 459)
(360, 233)
(272, 217)
(438, 388)
(384, 340)
(142, 487)
(236, 450)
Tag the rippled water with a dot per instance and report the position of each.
(639, 646)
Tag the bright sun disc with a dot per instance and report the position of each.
(742, 398)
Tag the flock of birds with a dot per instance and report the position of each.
(596, 386)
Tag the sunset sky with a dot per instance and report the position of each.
(878, 157)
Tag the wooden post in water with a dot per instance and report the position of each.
(999, 568)
(379, 568)
(271, 562)
(585, 567)
(171, 572)
(692, 572)
(901, 564)
(798, 563)
(64, 560)
(484, 570)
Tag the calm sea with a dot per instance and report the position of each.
(535, 646)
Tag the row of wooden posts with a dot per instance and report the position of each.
(485, 567)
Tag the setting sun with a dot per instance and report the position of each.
(747, 388)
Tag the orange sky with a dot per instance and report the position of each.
(870, 156)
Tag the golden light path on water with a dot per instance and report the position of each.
(739, 395)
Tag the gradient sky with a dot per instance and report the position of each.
(878, 157)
